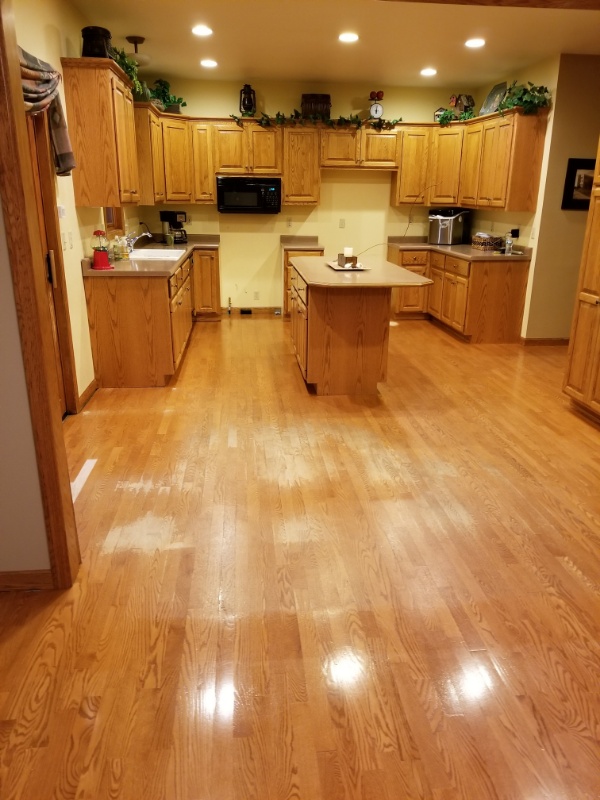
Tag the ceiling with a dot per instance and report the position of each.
(297, 40)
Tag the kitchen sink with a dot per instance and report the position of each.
(164, 255)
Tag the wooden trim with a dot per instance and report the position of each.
(30, 579)
(263, 311)
(590, 5)
(61, 303)
(86, 395)
(17, 195)
(536, 342)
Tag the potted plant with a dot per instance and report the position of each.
(130, 68)
(530, 98)
(162, 97)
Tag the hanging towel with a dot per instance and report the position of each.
(40, 82)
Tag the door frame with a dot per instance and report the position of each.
(17, 194)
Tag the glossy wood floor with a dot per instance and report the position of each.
(291, 597)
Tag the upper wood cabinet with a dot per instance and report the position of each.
(444, 165)
(248, 148)
(301, 172)
(409, 183)
(203, 173)
(502, 159)
(150, 154)
(102, 130)
(177, 143)
(365, 147)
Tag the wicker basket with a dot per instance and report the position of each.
(486, 242)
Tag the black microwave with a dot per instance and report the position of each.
(246, 195)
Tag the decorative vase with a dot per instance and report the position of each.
(96, 42)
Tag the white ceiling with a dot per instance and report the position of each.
(297, 40)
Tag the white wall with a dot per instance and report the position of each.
(23, 542)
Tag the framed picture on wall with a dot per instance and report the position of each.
(578, 183)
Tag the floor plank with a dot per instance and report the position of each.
(320, 598)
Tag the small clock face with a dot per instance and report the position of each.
(376, 110)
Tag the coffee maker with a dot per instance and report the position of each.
(172, 222)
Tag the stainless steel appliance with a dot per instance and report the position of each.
(246, 195)
(172, 222)
(448, 226)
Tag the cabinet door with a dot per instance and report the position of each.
(590, 261)
(264, 148)
(340, 148)
(125, 141)
(444, 171)
(181, 320)
(158, 159)
(378, 149)
(434, 305)
(288, 271)
(178, 160)
(412, 299)
(470, 165)
(204, 177)
(230, 150)
(409, 184)
(301, 172)
(302, 338)
(454, 300)
(207, 291)
(495, 162)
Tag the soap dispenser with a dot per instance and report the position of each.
(508, 244)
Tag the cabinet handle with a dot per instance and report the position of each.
(598, 302)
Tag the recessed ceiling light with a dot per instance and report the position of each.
(428, 72)
(348, 37)
(201, 30)
(208, 63)
(474, 42)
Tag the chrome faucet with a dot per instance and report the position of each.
(131, 240)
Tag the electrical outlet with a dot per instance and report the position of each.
(70, 234)
(289, 222)
(257, 295)
(63, 237)
(342, 223)
(532, 235)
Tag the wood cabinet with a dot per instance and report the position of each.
(365, 147)
(139, 326)
(301, 171)
(178, 159)
(443, 178)
(207, 285)
(101, 122)
(409, 183)
(582, 379)
(288, 270)
(410, 301)
(299, 320)
(150, 155)
(203, 185)
(483, 300)
(502, 161)
(248, 148)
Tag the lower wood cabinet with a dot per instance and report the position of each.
(207, 283)
(410, 302)
(287, 273)
(139, 326)
(299, 321)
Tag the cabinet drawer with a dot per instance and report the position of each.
(174, 283)
(457, 265)
(437, 260)
(299, 284)
(414, 258)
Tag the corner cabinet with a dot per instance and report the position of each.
(139, 326)
(409, 183)
(151, 155)
(101, 122)
(582, 379)
(301, 171)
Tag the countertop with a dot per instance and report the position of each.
(460, 250)
(155, 268)
(380, 273)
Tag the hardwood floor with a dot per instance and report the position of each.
(292, 597)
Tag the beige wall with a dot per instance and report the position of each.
(23, 542)
(50, 30)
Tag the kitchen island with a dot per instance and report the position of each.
(340, 322)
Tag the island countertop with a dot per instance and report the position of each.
(379, 274)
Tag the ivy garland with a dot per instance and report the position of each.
(296, 118)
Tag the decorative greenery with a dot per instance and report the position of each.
(446, 117)
(161, 91)
(530, 98)
(468, 113)
(129, 67)
(296, 118)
